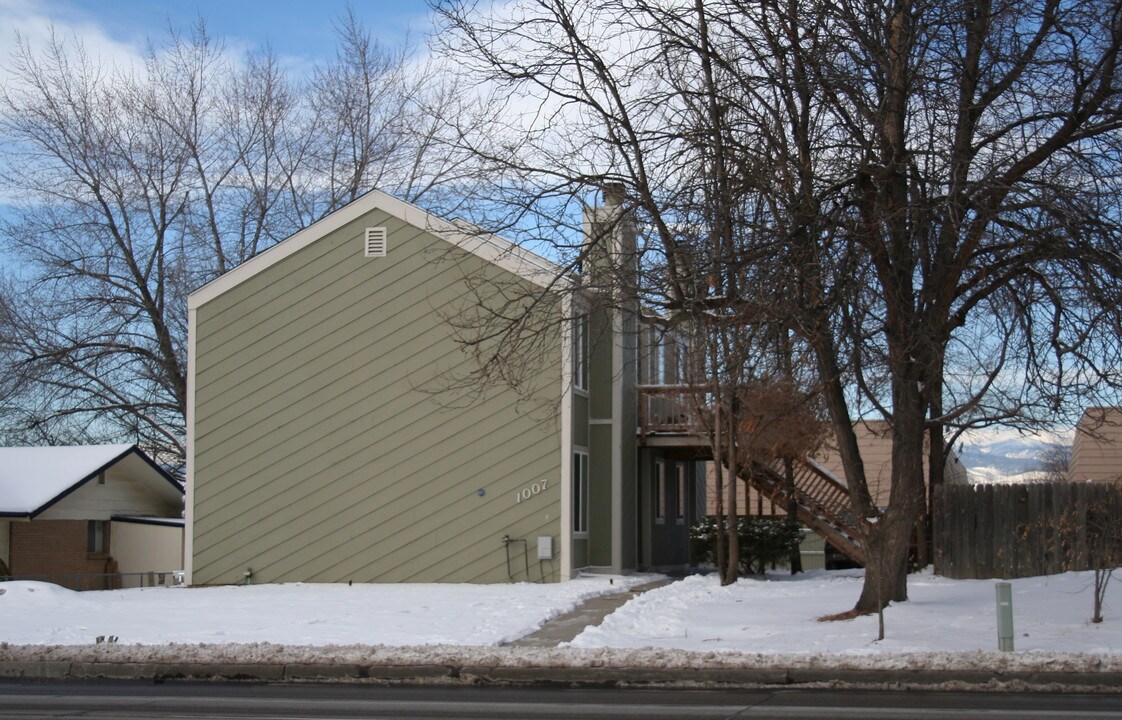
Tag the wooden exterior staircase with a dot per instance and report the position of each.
(821, 502)
(670, 414)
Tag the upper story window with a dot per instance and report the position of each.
(663, 357)
(655, 370)
(580, 353)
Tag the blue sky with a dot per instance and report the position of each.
(301, 32)
(118, 31)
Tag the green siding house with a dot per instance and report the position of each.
(330, 437)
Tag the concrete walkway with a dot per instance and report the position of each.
(591, 613)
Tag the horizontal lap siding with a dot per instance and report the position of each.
(322, 452)
(121, 494)
(1096, 452)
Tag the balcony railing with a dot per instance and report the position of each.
(672, 409)
(822, 502)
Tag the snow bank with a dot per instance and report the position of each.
(779, 615)
(693, 623)
(563, 657)
(294, 614)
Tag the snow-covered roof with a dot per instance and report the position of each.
(34, 478)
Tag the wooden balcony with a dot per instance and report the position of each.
(678, 417)
(673, 410)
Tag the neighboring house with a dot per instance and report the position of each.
(874, 438)
(1096, 449)
(332, 436)
(69, 512)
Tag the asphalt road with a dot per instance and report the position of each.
(289, 702)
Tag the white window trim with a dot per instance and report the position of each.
(581, 355)
(566, 479)
(580, 484)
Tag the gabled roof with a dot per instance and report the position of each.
(32, 479)
(521, 262)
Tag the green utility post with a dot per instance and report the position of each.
(1004, 616)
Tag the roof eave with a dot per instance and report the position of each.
(104, 466)
(521, 262)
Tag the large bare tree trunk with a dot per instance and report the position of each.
(888, 535)
(792, 511)
(732, 562)
(719, 495)
(719, 518)
(901, 241)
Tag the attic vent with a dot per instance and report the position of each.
(375, 242)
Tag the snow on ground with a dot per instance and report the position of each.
(293, 614)
(779, 615)
(691, 623)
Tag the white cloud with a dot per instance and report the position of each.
(34, 21)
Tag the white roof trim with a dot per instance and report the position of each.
(526, 264)
(32, 479)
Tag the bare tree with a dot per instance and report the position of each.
(100, 237)
(1085, 533)
(925, 194)
(967, 124)
(1055, 462)
(377, 114)
(1104, 547)
(137, 185)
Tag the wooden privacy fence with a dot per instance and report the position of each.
(1011, 531)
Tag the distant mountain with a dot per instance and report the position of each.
(999, 455)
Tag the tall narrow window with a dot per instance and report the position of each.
(580, 491)
(680, 471)
(643, 354)
(660, 491)
(580, 353)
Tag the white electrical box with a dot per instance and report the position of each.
(545, 547)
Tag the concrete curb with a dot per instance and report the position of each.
(568, 676)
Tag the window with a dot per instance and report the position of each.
(656, 357)
(580, 353)
(580, 491)
(95, 537)
(660, 491)
(681, 512)
(664, 357)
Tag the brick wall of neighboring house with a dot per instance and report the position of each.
(58, 548)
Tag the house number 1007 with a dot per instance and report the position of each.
(528, 492)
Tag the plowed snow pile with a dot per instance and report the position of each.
(691, 623)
